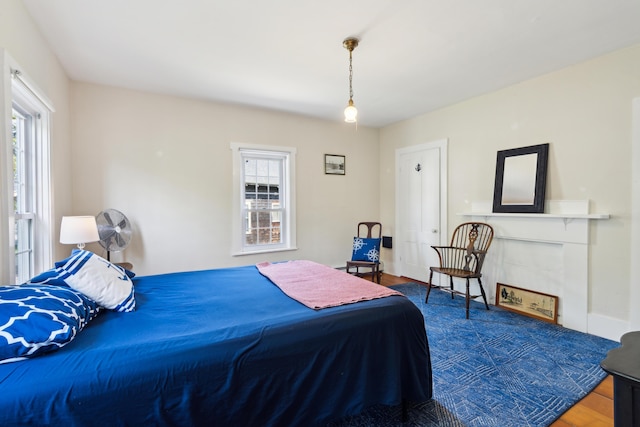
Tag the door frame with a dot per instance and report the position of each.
(442, 145)
(634, 288)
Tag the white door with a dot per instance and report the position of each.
(420, 200)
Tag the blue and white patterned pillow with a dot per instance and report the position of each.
(49, 277)
(365, 249)
(37, 319)
(104, 282)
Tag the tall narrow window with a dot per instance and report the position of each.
(22, 128)
(263, 186)
(28, 218)
(265, 213)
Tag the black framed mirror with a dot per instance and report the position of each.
(521, 179)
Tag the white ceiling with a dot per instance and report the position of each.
(414, 55)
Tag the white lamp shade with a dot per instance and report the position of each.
(350, 113)
(78, 230)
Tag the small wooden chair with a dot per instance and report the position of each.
(463, 258)
(366, 251)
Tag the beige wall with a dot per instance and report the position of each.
(584, 112)
(166, 163)
(23, 42)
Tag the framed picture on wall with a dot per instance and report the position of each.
(334, 164)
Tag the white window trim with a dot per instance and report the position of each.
(15, 84)
(237, 226)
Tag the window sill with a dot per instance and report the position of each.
(263, 251)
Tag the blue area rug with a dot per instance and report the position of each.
(496, 369)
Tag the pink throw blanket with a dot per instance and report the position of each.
(318, 286)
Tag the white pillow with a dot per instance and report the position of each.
(105, 283)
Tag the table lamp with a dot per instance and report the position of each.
(78, 230)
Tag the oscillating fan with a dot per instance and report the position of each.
(114, 230)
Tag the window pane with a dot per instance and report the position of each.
(264, 237)
(251, 237)
(22, 196)
(23, 244)
(17, 125)
(262, 187)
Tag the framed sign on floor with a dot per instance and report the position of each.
(529, 303)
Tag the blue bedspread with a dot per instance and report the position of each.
(223, 347)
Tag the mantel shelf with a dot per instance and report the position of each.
(534, 215)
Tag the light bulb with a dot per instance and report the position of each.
(350, 113)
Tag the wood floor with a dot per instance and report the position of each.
(594, 410)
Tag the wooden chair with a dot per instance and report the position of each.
(366, 251)
(463, 258)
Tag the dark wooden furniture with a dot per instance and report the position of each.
(125, 265)
(623, 363)
(463, 258)
(369, 230)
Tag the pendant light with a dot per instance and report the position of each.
(350, 113)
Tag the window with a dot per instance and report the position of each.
(264, 210)
(22, 126)
(29, 215)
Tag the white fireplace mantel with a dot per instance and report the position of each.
(533, 215)
(555, 209)
(543, 252)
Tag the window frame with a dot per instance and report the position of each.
(286, 198)
(18, 89)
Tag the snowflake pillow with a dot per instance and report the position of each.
(366, 249)
(37, 319)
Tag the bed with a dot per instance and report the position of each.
(223, 347)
